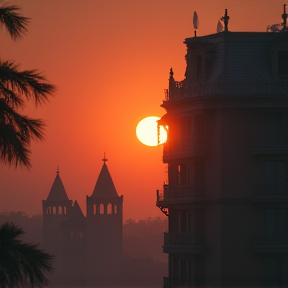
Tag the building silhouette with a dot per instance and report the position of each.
(87, 249)
(227, 196)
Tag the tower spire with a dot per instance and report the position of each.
(104, 159)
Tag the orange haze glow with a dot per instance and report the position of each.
(110, 60)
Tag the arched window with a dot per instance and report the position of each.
(101, 209)
(115, 209)
(60, 210)
(94, 209)
(54, 210)
(109, 208)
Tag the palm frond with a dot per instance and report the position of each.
(16, 133)
(21, 263)
(28, 83)
(15, 24)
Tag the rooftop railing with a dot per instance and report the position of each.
(183, 239)
(227, 88)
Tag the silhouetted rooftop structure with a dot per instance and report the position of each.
(88, 249)
(226, 197)
(104, 186)
(57, 191)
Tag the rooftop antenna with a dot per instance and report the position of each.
(225, 19)
(284, 17)
(195, 23)
(219, 27)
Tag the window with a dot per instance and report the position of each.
(192, 221)
(115, 209)
(276, 271)
(60, 210)
(184, 222)
(101, 209)
(276, 221)
(109, 208)
(274, 123)
(199, 177)
(186, 128)
(94, 209)
(199, 221)
(199, 270)
(199, 67)
(282, 63)
(276, 172)
(183, 175)
(173, 174)
(199, 130)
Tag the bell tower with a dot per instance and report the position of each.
(104, 230)
(56, 209)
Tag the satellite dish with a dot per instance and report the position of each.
(195, 20)
(219, 26)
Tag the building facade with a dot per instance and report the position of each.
(87, 249)
(227, 149)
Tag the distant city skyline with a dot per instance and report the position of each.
(110, 61)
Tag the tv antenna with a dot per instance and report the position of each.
(195, 22)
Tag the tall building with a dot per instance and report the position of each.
(227, 196)
(88, 250)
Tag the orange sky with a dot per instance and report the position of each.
(110, 60)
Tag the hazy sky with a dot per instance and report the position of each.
(110, 60)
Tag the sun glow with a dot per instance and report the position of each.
(147, 133)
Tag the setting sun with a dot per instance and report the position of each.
(146, 131)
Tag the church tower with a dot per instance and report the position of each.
(56, 209)
(104, 230)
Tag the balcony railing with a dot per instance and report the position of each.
(221, 88)
(179, 192)
(272, 239)
(193, 143)
(182, 282)
(183, 239)
(270, 140)
(271, 190)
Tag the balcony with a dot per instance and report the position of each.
(271, 192)
(183, 242)
(271, 243)
(270, 144)
(190, 147)
(182, 282)
(178, 194)
(225, 88)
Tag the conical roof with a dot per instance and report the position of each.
(57, 192)
(104, 186)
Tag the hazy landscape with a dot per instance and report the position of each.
(142, 245)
